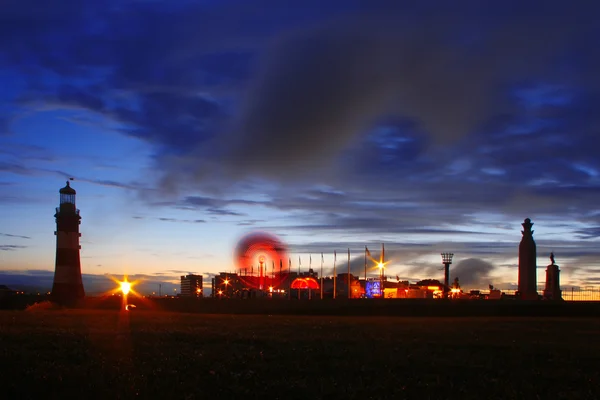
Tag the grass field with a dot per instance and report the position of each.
(107, 354)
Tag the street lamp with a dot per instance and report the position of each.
(446, 260)
(125, 287)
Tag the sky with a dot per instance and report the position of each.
(428, 126)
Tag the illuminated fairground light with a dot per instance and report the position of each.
(372, 289)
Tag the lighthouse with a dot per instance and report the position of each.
(67, 287)
(527, 263)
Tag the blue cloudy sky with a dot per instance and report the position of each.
(428, 126)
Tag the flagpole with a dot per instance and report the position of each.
(334, 273)
(309, 274)
(382, 292)
(299, 264)
(321, 276)
(365, 266)
(349, 292)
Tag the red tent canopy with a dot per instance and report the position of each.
(305, 283)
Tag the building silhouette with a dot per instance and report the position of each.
(552, 290)
(191, 285)
(527, 263)
(67, 286)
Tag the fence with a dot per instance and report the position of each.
(588, 293)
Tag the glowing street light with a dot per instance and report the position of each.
(381, 266)
(125, 287)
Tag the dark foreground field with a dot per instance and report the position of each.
(107, 354)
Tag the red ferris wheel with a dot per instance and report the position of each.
(261, 260)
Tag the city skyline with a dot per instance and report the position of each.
(186, 126)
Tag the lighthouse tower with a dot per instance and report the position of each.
(527, 263)
(68, 286)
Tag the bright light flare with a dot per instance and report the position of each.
(125, 287)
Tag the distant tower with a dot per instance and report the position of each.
(68, 286)
(527, 263)
(552, 290)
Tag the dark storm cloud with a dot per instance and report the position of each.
(320, 87)
(312, 91)
(473, 272)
